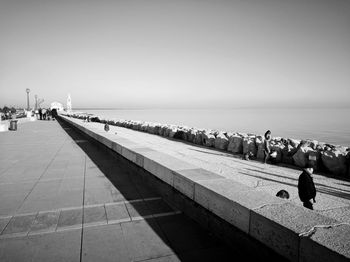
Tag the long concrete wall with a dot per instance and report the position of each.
(294, 232)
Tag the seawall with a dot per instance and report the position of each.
(327, 158)
(292, 231)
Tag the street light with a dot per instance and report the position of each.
(28, 90)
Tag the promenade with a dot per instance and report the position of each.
(66, 198)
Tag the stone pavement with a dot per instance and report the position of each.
(333, 193)
(65, 198)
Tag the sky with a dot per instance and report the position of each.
(176, 54)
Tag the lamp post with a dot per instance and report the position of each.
(28, 90)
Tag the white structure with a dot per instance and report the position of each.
(57, 106)
(69, 104)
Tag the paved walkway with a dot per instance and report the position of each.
(333, 193)
(65, 198)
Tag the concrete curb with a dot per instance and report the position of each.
(294, 232)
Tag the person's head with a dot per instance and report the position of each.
(309, 169)
(267, 134)
(283, 194)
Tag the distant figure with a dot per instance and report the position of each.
(44, 111)
(54, 113)
(283, 194)
(106, 127)
(37, 113)
(306, 188)
(41, 113)
(267, 149)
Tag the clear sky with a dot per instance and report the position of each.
(179, 53)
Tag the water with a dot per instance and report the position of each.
(325, 125)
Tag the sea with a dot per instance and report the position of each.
(331, 125)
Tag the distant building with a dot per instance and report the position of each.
(57, 106)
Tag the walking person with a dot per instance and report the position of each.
(41, 113)
(306, 188)
(267, 149)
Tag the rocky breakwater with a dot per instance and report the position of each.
(322, 156)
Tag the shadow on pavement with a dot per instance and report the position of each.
(185, 238)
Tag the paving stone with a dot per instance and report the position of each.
(3, 223)
(95, 215)
(45, 222)
(71, 218)
(185, 235)
(138, 210)
(104, 243)
(117, 213)
(19, 225)
(158, 206)
(144, 240)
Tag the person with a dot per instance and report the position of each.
(41, 113)
(106, 127)
(267, 149)
(54, 113)
(44, 111)
(306, 188)
(283, 194)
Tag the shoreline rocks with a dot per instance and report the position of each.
(323, 157)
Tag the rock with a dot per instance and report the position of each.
(335, 160)
(208, 139)
(249, 145)
(305, 155)
(221, 141)
(235, 144)
(172, 132)
(198, 137)
(288, 151)
(190, 135)
(277, 147)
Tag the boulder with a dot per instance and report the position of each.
(198, 137)
(305, 155)
(335, 160)
(235, 144)
(289, 149)
(208, 139)
(221, 141)
(172, 132)
(277, 147)
(190, 135)
(249, 145)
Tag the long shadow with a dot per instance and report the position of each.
(187, 239)
(320, 188)
(294, 179)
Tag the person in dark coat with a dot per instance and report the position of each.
(267, 150)
(306, 188)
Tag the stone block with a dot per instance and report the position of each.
(326, 244)
(162, 165)
(279, 226)
(184, 180)
(231, 200)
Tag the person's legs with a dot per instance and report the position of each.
(308, 205)
(266, 156)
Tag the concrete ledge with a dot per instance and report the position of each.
(293, 232)
(282, 226)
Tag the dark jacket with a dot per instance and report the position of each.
(306, 187)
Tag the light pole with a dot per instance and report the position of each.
(28, 90)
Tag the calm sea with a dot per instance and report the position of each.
(325, 125)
